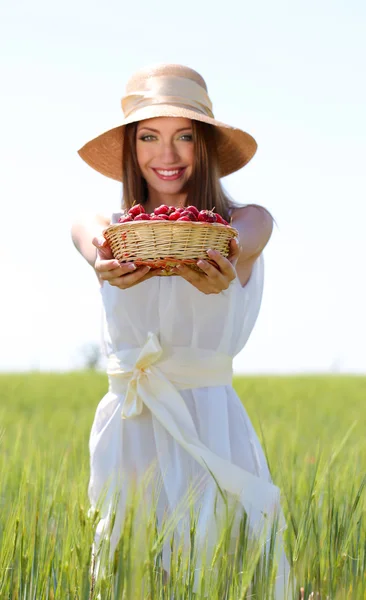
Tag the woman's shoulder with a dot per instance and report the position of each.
(250, 209)
(255, 225)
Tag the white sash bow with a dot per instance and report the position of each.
(153, 376)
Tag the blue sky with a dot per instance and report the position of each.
(291, 74)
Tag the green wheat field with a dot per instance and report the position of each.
(313, 432)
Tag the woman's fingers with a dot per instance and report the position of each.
(129, 279)
(209, 269)
(234, 251)
(211, 281)
(109, 269)
(123, 275)
(104, 249)
(225, 265)
(199, 280)
(188, 274)
(99, 242)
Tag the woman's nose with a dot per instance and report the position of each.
(169, 154)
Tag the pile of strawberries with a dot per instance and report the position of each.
(172, 213)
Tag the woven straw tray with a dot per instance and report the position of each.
(165, 244)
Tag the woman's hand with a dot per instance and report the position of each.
(214, 279)
(122, 275)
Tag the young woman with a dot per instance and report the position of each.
(171, 340)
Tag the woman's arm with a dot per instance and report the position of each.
(84, 230)
(255, 226)
(87, 237)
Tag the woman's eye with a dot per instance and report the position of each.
(147, 138)
(186, 137)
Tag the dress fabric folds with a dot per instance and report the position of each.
(171, 404)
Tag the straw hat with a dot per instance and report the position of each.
(167, 90)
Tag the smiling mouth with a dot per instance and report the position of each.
(169, 174)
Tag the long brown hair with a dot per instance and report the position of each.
(205, 189)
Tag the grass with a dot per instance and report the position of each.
(312, 430)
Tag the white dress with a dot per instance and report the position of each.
(203, 332)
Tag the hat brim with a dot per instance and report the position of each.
(104, 153)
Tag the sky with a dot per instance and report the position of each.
(292, 74)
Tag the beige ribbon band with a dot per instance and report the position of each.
(169, 90)
(153, 377)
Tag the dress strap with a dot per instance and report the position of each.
(232, 208)
(115, 216)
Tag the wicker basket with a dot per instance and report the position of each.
(165, 244)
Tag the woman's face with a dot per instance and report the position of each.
(165, 154)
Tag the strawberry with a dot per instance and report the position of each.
(142, 217)
(189, 214)
(211, 217)
(163, 209)
(193, 209)
(183, 219)
(125, 219)
(180, 209)
(207, 216)
(159, 217)
(137, 209)
(174, 216)
(220, 219)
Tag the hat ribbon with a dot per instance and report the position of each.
(163, 89)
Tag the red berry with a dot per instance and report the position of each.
(184, 219)
(207, 216)
(138, 209)
(180, 209)
(159, 218)
(163, 209)
(188, 213)
(220, 219)
(142, 217)
(194, 210)
(125, 219)
(174, 216)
